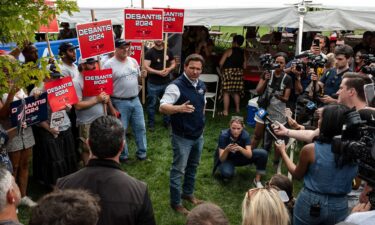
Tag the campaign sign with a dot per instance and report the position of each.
(136, 51)
(53, 26)
(173, 20)
(95, 38)
(143, 24)
(96, 82)
(32, 111)
(60, 93)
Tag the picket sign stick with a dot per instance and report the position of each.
(48, 45)
(165, 50)
(98, 58)
(142, 63)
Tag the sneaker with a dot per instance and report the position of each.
(27, 202)
(144, 159)
(258, 184)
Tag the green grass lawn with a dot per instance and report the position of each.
(156, 174)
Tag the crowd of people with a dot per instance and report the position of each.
(97, 125)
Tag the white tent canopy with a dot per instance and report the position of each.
(339, 14)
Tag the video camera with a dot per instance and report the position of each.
(368, 59)
(298, 64)
(315, 61)
(357, 143)
(268, 62)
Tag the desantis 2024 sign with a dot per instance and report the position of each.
(143, 24)
(95, 38)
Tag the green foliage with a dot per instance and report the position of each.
(19, 21)
(16, 75)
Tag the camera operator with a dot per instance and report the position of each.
(275, 85)
(331, 79)
(350, 93)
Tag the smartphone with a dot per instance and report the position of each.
(370, 94)
(316, 42)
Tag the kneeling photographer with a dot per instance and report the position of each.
(274, 89)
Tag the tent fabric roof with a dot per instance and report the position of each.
(339, 14)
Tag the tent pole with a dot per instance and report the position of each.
(300, 33)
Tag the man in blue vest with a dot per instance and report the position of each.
(184, 100)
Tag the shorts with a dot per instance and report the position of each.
(83, 134)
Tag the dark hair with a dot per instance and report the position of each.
(344, 50)
(106, 136)
(282, 54)
(207, 214)
(362, 51)
(73, 207)
(283, 183)
(357, 81)
(367, 34)
(333, 118)
(238, 39)
(194, 57)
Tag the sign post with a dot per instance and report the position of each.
(143, 24)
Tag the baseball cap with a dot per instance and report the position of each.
(65, 46)
(88, 60)
(121, 42)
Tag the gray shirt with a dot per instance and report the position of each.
(86, 116)
(125, 77)
(71, 71)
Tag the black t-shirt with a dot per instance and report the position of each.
(276, 81)
(157, 57)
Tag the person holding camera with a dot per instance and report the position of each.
(234, 149)
(327, 178)
(274, 88)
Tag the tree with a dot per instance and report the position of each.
(19, 21)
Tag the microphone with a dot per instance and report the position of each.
(263, 114)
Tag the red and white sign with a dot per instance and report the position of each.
(97, 81)
(53, 26)
(60, 93)
(95, 38)
(143, 24)
(136, 51)
(173, 20)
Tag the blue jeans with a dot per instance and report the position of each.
(186, 157)
(154, 91)
(259, 158)
(132, 112)
(333, 209)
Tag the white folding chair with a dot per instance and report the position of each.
(211, 78)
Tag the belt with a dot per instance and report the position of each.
(130, 98)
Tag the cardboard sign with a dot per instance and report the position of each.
(173, 20)
(53, 26)
(95, 38)
(32, 111)
(57, 118)
(60, 93)
(143, 24)
(136, 51)
(96, 82)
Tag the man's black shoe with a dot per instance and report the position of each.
(144, 159)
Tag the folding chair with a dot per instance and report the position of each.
(211, 78)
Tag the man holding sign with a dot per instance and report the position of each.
(126, 74)
(88, 108)
(67, 52)
(158, 79)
